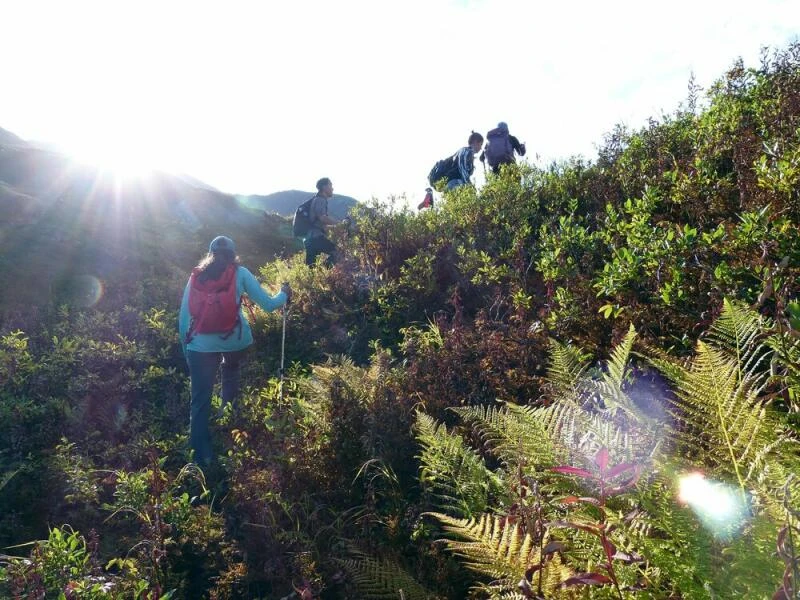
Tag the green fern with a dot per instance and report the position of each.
(723, 427)
(338, 371)
(513, 433)
(738, 331)
(493, 546)
(724, 422)
(617, 365)
(592, 413)
(566, 369)
(453, 472)
(663, 531)
(565, 424)
(382, 579)
(609, 388)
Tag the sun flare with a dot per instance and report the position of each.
(121, 159)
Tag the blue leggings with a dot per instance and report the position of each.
(203, 367)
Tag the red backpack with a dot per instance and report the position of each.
(213, 305)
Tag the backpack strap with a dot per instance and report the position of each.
(248, 304)
(312, 215)
(238, 310)
(193, 324)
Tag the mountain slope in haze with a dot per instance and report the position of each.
(285, 203)
(61, 220)
(9, 139)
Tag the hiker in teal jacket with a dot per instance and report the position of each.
(205, 351)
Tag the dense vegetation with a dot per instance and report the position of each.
(577, 382)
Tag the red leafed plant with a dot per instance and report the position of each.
(610, 481)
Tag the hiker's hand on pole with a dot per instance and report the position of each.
(286, 289)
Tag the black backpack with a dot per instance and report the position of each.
(442, 169)
(301, 224)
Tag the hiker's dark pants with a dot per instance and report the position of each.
(319, 245)
(496, 168)
(203, 367)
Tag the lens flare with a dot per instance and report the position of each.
(85, 290)
(722, 508)
(120, 416)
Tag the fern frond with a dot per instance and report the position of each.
(452, 472)
(617, 365)
(737, 332)
(382, 579)
(340, 372)
(567, 368)
(578, 434)
(564, 421)
(671, 367)
(723, 422)
(609, 388)
(663, 529)
(505, 595)
(591, 413)
(513, 433)
(496, 548)
(725, 419)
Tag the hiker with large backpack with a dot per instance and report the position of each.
(500, 148)
(457, 169)
(214, 331)
(311, 221)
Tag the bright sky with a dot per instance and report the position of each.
(261, 96)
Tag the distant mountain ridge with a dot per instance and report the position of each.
(61, 220)
(9, 139)
(285, 203)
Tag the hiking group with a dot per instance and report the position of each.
(457, 170)
(213, 330)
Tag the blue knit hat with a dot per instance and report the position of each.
(221, 242)
(502, 125)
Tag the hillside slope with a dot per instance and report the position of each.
(505, 396)
(10, 139)
(60, 219)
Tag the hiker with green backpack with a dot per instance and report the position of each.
(311, 221)
(214, 331)
(457, 169)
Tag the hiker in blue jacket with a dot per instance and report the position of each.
(457, 169)
(465, 162)
(213, 330)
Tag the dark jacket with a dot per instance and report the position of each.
(515, 146)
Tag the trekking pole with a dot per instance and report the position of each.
(283, 352)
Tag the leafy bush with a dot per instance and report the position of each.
(552, 366)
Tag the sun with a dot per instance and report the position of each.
(125, 143)
(123, 159)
